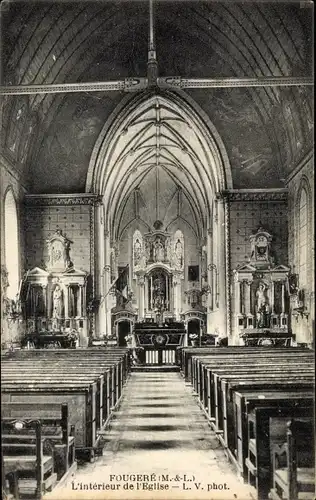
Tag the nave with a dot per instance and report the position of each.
(89, 422)
(159, 431)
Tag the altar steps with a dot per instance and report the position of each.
(155, 368)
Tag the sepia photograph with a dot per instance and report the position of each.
(157, 250)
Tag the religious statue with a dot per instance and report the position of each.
(68, 261)
(148, 251)
(178, 252)
(262, 307)
(159, 251)
(137, 252)
(57, 302)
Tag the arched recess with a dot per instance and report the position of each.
(168, 131)
(158, 158)
(303, 229)
(11, 244)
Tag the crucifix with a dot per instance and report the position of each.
(135, 84)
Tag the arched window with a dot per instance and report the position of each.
(11, 244)
(302, 238)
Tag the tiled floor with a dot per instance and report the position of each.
(158, 431)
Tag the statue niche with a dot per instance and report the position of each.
(178, 250)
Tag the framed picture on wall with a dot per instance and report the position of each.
(193, 273)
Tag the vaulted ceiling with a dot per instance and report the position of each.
(50, 138)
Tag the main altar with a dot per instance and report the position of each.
(152, 312)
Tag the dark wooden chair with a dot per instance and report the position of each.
(294, 464)
(28, 470)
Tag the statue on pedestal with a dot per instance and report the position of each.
(262, 307)
(57, 306)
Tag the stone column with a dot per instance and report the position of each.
(45, 298)
(66, 302)
(177, 296)
(283, 298)
(237, 297)
(106, 310)
(272, 297)
(247, 296)
(145, 296)
(79, 301)
(141, 302)
(100, 325)
(211, 297)
(221, 268)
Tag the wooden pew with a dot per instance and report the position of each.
(293, 463)
(55, 430)
(204, 387)
(270, 379)
(267, 428)
(199, 362)
(117, 375)
(269, 373)
(72, 370)
(188, 352)
(34, 473)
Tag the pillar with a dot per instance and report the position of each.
(107, 303)
(100, 326)
(221, 268)
(272, 297)
(237, 297)
(66, 302)
(177, 297)
(283, 298)
(211, 297)
(79, 302)
(141, 299)
(247, 296)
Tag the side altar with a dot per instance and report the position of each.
(261, 296)
(54, 303)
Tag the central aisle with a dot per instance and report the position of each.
(159, 429)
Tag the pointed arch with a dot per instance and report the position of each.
(158, 130)
(11, 244)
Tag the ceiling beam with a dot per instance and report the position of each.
(127, 85)
(208, 83)
(135, 84)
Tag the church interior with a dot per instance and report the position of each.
(157, 248)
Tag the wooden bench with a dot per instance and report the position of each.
(33, 471)
(201, 383)
(268, 378)
(97, 375)
(293, 463)
(186, 353)
(200, 362)
(278, 379)
(55, 430)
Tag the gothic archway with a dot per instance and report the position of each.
(164, 145)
